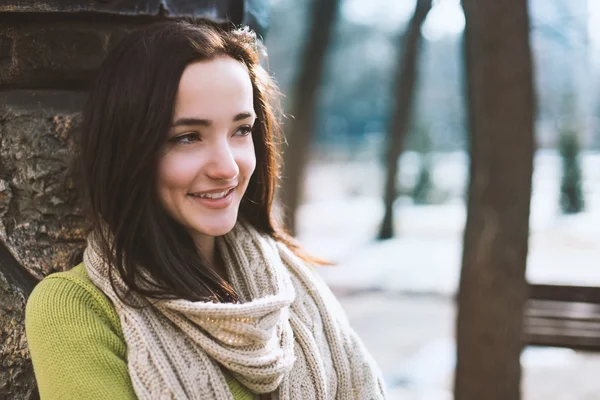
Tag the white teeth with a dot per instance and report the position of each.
(213, 196)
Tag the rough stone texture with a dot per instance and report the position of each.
(40, 222)
(5, 198)
(40, 214)
(16, 372)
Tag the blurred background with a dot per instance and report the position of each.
(399, 292)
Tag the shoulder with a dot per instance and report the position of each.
(75, 340)
(61, 299)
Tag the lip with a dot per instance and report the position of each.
(218, 190)
(215, 204)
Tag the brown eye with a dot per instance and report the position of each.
(188, 138)
(243, 130)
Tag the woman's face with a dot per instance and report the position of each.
(209, 154)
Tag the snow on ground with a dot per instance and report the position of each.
(411, 338)
(343, 209)
(411, 335)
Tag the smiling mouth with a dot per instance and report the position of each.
(213, 196)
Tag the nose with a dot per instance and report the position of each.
(222, 165)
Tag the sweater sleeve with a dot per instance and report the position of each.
(75, 348)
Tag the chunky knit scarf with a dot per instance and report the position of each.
(288, 335)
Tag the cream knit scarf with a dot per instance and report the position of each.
(288, 335)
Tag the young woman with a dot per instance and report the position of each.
(187, 289)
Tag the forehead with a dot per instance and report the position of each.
(218, 88)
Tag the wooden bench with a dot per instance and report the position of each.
(563, 316)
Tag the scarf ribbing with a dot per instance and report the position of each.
(288, 335)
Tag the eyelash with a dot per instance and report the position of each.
(179, 139)
(246, 129)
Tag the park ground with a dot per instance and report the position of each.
(399, 293)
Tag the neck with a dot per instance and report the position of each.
(208, 247)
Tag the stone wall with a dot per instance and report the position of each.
(49, 51)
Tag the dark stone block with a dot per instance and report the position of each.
(236, 11)
(38, 101)
(128, 7)
(6, 45)
(54, 55)
(65, 54)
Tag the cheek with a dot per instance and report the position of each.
(176, 171)
(247, 161)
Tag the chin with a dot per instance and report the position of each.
(215, 226)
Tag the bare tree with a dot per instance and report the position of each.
(301, 128)
(404, 98)
(493, 288)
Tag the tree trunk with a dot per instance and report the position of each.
(493, 288)
(406, 78)
(306, 90)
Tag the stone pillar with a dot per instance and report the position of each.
(49, 51)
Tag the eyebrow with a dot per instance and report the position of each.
(206, 122)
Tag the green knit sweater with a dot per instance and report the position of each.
(77, 344)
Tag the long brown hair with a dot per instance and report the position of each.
(126, 120)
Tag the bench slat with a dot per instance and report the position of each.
(562, 310)
(585, 328)
(563, 316)
(583, 294)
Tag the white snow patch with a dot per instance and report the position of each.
(340, 219)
